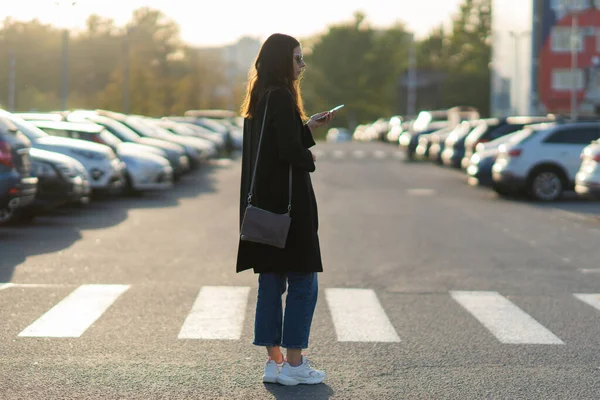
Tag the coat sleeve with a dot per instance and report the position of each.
(307, 138)
(288, 132)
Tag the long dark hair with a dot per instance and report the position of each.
(273, 67)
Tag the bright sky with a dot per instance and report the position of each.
(223, 22)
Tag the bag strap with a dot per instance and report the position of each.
(262, 128)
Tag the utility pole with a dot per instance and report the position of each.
(126, 71)
(517, 79)
(412, 78)
(12, 63)
(65, 7)
(64, 75)
(575, 40)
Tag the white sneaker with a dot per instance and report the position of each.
(303, 373)
(272, 370)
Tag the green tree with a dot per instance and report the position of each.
(358, 66)
(469, 52)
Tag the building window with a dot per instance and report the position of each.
(566, 6)
(562, 79)
(561, 39)
(597, 3)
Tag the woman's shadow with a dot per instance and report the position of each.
(300, 392)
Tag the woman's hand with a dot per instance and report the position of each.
(315, 121)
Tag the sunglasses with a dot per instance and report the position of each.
(299, 59)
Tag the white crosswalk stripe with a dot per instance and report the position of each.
(5, 285)
(76, 312)
(338, 154)
(507, 322)
(220, 313)
(217, 313)
(379, 154)
(593, 299)
(358, 316)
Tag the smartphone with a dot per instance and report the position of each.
(332, 110)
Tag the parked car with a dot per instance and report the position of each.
(106, 171)
(542, 160)
(174, 153)
(17, 187)
(432, 120)
(193, 130)
(587, 180)
(206, 148)
(61, 180)
(91, 132)
(397, 125)
(146, 169)
(338, 135)
(146, 130)
(224, 122)
(493, 128)
(438, 143)
(454, 145)
(479, 170)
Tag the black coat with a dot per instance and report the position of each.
(285, 141)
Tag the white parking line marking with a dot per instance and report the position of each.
(586, 270)
(358, 153)
(593, 299)
(379, 154)
(358, 316)
(28, 285)
(76, 312)
(5, 285)
(507, 322)
(420, 192)
(338, 153)
(217, 313)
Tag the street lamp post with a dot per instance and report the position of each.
(63, 6)
(412, 78)
(126, 70)
(517, 36)
(574, 51)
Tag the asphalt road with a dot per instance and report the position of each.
(432, 290)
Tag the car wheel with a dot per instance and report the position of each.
(129, 189)
(6, 215)
(546, 185)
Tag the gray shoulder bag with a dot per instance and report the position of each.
(262, 226)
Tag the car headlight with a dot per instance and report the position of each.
(88, 154)
(43, 170)
(68, 171)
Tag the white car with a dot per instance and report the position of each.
(338, 135)
(146, 168)
(542, 160)
(587, 180)
(106, 171)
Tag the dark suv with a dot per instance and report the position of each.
(17, 186)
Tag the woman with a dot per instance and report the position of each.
(274, 83)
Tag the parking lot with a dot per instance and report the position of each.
(412, 235)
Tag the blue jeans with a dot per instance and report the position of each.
(300, 305)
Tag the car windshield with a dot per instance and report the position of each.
(27, 128)
(213, 125)
(524, 135)
(109, 138)
(121, 131)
